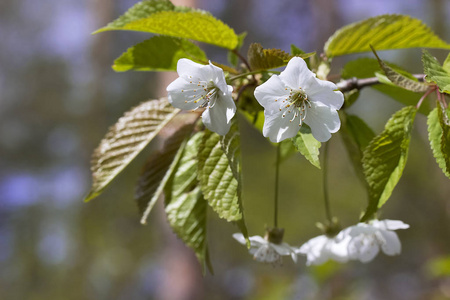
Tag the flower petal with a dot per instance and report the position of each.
(271, 90)
(240, 238)
(297, 75)
(339, 249)
(257, 240)
(219, 79)
(360, 228)
(323, 121)
(315, 250)
(266, 254)
(277, 128)
(363, 247)
(326, 96)
(182, 94)
(390, 243)
(188, 69)
(389, 224)
(217, 118)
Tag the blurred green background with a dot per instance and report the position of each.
(58, 96)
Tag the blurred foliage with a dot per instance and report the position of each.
(58, 96)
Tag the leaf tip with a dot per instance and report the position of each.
(91, 195)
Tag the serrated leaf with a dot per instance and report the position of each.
(192, 24)
(367, 67)
(266, 59)
(385, 158)
(186, 208)
(139, 11)
(157, 170)
(296, 50)
(383, 32)
(435, 135)
(220, 186)
(160, 53)
(435, 72)
(446, 65)
(399, 79)
(445, 139)
(307, 145)
(126, 139)
(356, 135)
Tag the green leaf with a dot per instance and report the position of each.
(385, 158)
(400, 80)
(307, 145)
(160, 53)
(439, 141)
(219, 175)
(186, 208)
(139, 11)
(126, 139)
(296, 50)
(193, 24)
(156, 171)
(350, 97)
(356, 135)
(383, 32)
(446, 64)
(445, 139)
(367, 67)
(435, 72)
(266, 59)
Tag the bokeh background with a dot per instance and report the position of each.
(58, 96)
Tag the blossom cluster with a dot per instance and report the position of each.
(290, 99)
(293, 97)
(359, 242)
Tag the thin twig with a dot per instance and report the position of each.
(355, 83)
(242, 59)
(325, 184)
(277, 169)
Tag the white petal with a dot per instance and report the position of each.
(297, 75)
(228, 102)
(361, 228)
(315, 250)
(240, 238)
(277, 128)
(217, 118)
(271, 90)
(186, 68)
(328, 97)
(390, 224)
(181, 92)
(339, 249)
(219, 79)
(323, 121)
(266, 254)
(363, 248)
(391, 244)
(257, 240)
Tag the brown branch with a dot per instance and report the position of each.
(355, 83)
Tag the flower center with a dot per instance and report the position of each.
(204, 92)
(299, 100)
(274, 235)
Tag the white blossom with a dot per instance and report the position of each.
(203, 86)
(368, 238)
(296, 96)
(265, 251)
(322, 248)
